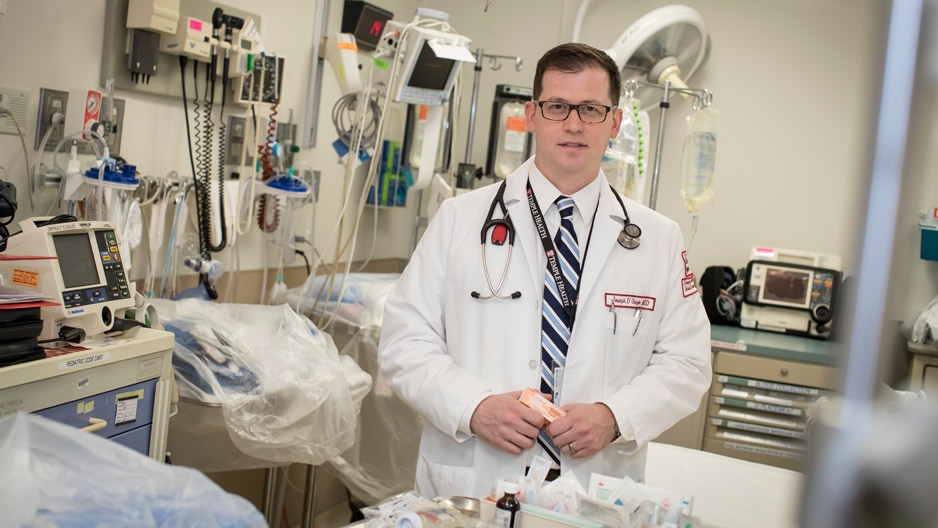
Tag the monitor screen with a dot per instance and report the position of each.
(787, 286)
(430, 72)
(76, 260)
(371, 26)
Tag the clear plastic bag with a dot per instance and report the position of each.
(361, 304)
(383, 459)
(699, 158)
(286, 394)
(56, 475)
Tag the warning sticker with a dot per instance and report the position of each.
(515, 134)
(23, 277)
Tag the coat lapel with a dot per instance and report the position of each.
(609, 221)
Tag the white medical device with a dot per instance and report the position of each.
(430, 60)
(161, 16)
(793, 292)
(86, 274)
(342, 54)
(192, 39)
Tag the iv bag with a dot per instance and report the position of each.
(623, 161)
(512, 136)
(698, 158)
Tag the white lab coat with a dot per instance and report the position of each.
(441, 350)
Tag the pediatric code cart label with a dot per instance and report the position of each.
(82, 361)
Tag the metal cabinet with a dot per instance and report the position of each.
(120, 389)
(762, 385)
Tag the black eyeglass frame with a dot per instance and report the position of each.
(572, 107)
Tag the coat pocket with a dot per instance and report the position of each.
(439, 480)
(625, 348)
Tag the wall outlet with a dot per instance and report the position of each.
(16, 101)
(50, 102)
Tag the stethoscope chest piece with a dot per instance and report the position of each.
(630, 236)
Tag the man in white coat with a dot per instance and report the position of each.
(466, 330)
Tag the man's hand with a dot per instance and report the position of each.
(504, 422)
(584, 431)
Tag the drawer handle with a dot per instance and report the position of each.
(96, 424)
(784, 372)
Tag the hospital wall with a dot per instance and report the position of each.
(797, 87)
(796, 84)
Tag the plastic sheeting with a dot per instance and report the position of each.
(56, 475)
(362, 302)
(283, 391)
(383, 460)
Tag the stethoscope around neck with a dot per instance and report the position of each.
(503, 230)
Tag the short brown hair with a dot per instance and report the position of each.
(575, 57)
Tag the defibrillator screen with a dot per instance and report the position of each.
(76, 260)
(787, 286)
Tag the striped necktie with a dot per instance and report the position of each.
(555, 322)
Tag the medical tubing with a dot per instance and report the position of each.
(37, 163)
(107, 153)
(253, 171)
(58, 200)
(170, 245)
(694, 217)
(266, 151)
(264, 154)
(369, 180)
(203, 184)
(223, 227)
(339, 251)
(73, 135)
(185, 106)
(354, 147)
(199, 166)
(25, 151)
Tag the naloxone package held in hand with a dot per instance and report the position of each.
(539, 403)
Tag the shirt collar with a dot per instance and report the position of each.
(586, 199)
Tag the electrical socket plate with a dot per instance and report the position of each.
(16, 101)
(50, 102)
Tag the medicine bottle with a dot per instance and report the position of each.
(507, 506)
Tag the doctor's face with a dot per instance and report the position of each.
(571, 150)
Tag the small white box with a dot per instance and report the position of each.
(161, 16)
(192, 39)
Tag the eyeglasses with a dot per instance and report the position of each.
(588, 112)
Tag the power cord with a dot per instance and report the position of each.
(7, 112)
(60, 219)
(11, 207)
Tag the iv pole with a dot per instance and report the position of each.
(466, 171)
(702, 97)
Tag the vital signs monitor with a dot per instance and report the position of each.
(85, 273)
